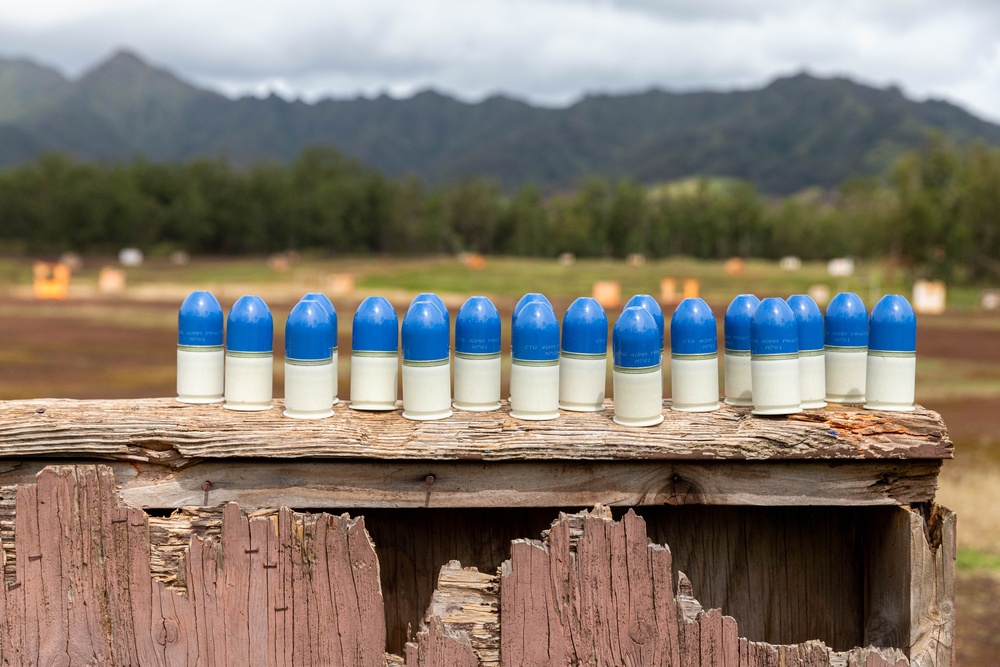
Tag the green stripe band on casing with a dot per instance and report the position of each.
(774, 357)
(584, 357)
(374, 354)
(810, 353)
(695, 357)
(892, 354)
(309, 362)
(637, 371)
(426, 364)
(249, 355)
(199, 348)
(737, 353)
(534, 363)
(849, 348)
(472, 356)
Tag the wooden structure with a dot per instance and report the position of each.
(147, 532)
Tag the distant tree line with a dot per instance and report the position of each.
(937, 212)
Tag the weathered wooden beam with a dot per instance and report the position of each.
(170, 433)
(323, 484)
(595, 591)
(465, 607)
(279, 587)
(933, 550)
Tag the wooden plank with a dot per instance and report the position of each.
(592, 587)
(932, 586)
(785, 574)
(91, 599)
(363, 565)
(171, 433)
(437, 647)
(394, 484)
(887, 578)
(463, 615)
(236, 585)
(600, 599)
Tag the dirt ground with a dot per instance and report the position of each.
(123, 349)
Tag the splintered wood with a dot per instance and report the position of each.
(596, 592)
(286, 589)
(279, 587)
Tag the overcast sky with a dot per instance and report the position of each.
(545, 51)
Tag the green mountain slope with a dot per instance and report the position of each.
(24, 86)
(796, 132)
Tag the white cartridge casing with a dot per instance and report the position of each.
(477, 382)
(736, 370)
(534, 389)
(335, 372)
(201, 373)
(426, 389)
(308, 389)
(374, 377)
(249, 381)
(891, 380)
(812, 379)
(638, 395)
(694, 382)
(776, 384)
(582, 378)
(846, 369)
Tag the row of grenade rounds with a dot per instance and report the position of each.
(784, 356)
(766, 344)
(240, 371)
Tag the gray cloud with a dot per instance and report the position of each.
(550, 51)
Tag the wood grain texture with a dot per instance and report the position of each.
(595, 591)
(932, 586)
(465, 605)
(436, 646)
(321, 484)
(166, 432)
(786, 575)
(84, 594)
(276, 587)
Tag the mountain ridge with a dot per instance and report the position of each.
(797, 131)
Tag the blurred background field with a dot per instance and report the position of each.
(393, 148)
(120, 346)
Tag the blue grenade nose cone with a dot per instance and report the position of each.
(477, 327)
(308, 332)
(585, 328)
(328, 307)
(250, 327)
(736, 325)
(846, 323)
(635, 340)
(375, 327)
(425, 332)
(810, 321)
(430, 297)
(692, 329)
(199, 321)
(530, 297)
(535, 333)
(773, 329)
(653, 308)
(893, 325)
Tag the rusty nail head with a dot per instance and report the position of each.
(206, 486)
(429, 479)
(40, 411)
